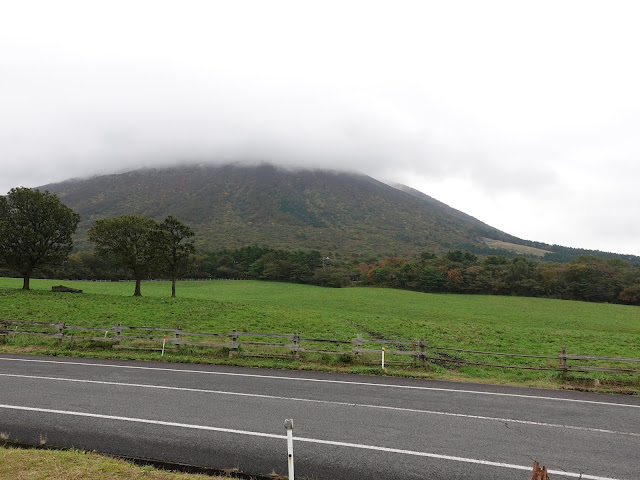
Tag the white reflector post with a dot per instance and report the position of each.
(288, 424)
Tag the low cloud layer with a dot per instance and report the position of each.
(525, 119)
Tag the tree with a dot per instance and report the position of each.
(35, 231)
(177, 248)
(129, 241)
(432, 279)
(630, 295)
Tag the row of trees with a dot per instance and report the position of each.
(584, 278)
(251, 262)
(262, 263)
(36, 231)
(142, 245)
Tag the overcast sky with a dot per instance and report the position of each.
(525, 115)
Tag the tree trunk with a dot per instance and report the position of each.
(137, 292)
(173, 288)
(25, 282)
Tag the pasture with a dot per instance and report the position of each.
(490, 323)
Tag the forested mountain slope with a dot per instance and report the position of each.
(231, 206)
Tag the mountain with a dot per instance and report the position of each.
(231, 206)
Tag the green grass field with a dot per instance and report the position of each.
(491, 323)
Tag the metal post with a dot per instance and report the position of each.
(288, 424)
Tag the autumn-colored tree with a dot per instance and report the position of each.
(454, 280)
(630, 295)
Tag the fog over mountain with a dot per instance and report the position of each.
(523, 115)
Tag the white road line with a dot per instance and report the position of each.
(327, 402)
(318, 380)
(302, 439)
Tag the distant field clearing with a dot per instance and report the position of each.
(523, 249)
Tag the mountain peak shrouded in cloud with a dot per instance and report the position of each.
(235, 205)
(526, 118)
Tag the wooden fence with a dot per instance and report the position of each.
(398, 352)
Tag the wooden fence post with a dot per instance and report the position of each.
(60, 335)
(423, 357)
(562, 361)
(234, 340)
(358, 343)
(294, 347)
(118, 329)
(4, 328)
(177, 331)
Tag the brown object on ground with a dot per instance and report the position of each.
(539, 473)
(62, 288)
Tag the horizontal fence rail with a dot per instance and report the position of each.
(281, 345)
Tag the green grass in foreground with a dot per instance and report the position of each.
(30, 464)
(490, 323)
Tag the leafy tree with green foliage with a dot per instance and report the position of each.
(380, 276)
(462, 258)
(630, 295)
(432, 279)
(176, 249)
(35, 231)
(86, 266)
(330, 277)
(129, 241)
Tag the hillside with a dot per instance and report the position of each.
(231, 206)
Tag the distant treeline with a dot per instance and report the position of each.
(584, 278)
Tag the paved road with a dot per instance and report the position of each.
(345, 426)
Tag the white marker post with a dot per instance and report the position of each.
(288, 424)
(164, 340)
(382, 358)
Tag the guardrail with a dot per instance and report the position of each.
(420, 352)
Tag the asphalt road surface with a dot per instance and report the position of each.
(345, 426)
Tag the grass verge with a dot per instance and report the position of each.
(40, 464)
